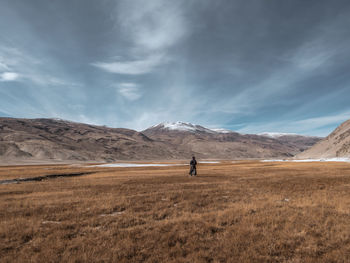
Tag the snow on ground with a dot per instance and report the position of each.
(276, 134)
(312, 160)
(134, 164)
(275, 160)
(144, 164)
(324, 160)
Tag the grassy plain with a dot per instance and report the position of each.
(232, 212)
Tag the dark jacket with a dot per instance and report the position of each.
(193, 163)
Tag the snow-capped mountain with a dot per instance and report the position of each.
(181, 126)
(58, 140)
(189, 127)
(186, 127)
(222, 143)
(221, 130)
(277, 134)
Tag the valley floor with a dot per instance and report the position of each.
(246, 211)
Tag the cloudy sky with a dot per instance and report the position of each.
(250, 66)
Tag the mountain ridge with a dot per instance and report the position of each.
(60, 140)
(336, 144)
(227, 144)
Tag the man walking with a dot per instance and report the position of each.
(193, 169)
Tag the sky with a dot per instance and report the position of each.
(249, 66)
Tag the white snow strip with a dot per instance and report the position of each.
(347, 160)
(133, 165)
(325, 160)
(275, 160)
(179, 126)
(276, 134)
(143, 164)
(183, 126)
(221, 130)
(189, 127)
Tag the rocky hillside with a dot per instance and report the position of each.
(218, 143)
(48, 139)
(337, 144)
(58, 140)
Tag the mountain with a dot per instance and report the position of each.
(219, 143)
(300, 142)
(276, 134)
(337, 144)
(180, 127)
(58, 140)
(51, 140)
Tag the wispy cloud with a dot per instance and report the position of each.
(134, 67)
(147, 119)
(313, 55)
(9, 76)
(44, 79)
(151, 30)
(300, 65)
(16, 65)
(3, 66)
(301, 126)
(317, 122)
(157, 25)
(129, 91)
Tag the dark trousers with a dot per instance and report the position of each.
(193, 170)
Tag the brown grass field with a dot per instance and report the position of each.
(246, 211)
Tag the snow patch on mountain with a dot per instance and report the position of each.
(221, 130)
(193, 128)
(187, 127)
(182, 126)
(179, 126)
(276, 134)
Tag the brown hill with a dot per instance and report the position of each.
(58, 140)
(52, 140)
(337, 144)
(223, 144)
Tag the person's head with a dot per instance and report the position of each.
(193, 158)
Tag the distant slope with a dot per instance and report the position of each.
(52, 140)
(218, 143)
(337, 144)
(48, 139)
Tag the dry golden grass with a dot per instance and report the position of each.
(232, 212)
